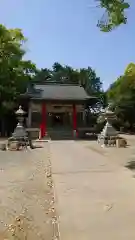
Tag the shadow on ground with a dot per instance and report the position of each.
(131, 165)
(37, 146)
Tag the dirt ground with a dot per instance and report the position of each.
(27, 204)
(27, 210)
(119, 156)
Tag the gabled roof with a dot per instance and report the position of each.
(57, 92)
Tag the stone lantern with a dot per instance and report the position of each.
(108, 132)
(20, 131)
(20, 115)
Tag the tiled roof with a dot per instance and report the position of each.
(62, 92)
(58, 92)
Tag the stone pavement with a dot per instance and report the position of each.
(95, 197)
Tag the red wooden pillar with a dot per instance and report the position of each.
(43, 121)
(74, 121)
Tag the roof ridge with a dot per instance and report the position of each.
(57, 84)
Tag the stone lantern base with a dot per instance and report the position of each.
(108, 136)
(19, 132)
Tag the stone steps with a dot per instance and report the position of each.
(60, 135)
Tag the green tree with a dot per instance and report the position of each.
(15, 72)
(66, 74)
(114, 14)
(44, 74)
(90, 81)
(122, 95)
(130, 70)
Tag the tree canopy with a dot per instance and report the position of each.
(14, 71)
(122, 95)
(66, 74)
(114, 15)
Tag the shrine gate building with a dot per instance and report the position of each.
(55, 107)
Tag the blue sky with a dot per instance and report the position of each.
(66, 32)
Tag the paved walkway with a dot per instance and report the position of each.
(95, 198)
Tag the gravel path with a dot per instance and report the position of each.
(26, 195)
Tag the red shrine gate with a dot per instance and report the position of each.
(50, 112)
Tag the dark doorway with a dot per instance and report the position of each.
(57, 119)
(59, 126)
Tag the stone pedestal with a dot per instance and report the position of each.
(108, 135)
(19, 132)
(3, 147)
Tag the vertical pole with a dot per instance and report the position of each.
(43, 123)
(29, 116)
(74, 120)
(84, 118)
